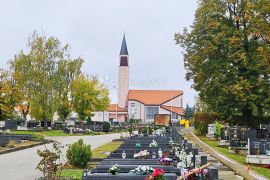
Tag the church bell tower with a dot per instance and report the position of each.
(123, 81)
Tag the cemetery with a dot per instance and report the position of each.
(248, 144)
(164, 153)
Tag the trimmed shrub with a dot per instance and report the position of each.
(106, 127)
(79, 154)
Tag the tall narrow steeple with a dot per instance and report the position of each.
(123, 81)
(124, 50)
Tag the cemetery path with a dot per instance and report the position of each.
(235, 166)
(21, 165)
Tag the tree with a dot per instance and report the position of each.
(9, 94)
(68, 70)
(227, 57)
(189, 112)
(44, 75)
(89, 95)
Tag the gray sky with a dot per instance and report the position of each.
(94, 29)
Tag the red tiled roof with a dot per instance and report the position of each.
(112, 108)
(153, 97)
(177, 110)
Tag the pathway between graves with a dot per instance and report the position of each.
(238, 168)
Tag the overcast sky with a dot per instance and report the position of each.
(94, 29)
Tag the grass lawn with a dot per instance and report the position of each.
(239, 158)
(76, 173)
(55, 133)
(109, 147)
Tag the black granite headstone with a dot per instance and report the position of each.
(225, 133)
(259, 146)
(235, 137)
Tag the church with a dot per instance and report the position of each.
(140, 104)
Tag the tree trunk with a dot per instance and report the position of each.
(247, 115)
(260, 114)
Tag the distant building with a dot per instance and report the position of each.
(140, 104)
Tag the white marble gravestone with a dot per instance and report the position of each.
(211, 130)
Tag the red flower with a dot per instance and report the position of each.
(158, 173)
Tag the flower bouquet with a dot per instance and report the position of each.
(153, 144)
(142, 155)
(114, 169)
(165, 161)
(142, 170)
(159, 132)
(158, 174)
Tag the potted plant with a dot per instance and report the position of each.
(114, 169)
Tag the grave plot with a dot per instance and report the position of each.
(259, 147)
(169, 156)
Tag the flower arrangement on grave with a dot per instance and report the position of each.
(159, 132)
(138, 145)
(158, 174)
(200, 174)
(166, 161)
(183, 160)
(153, 144)
(142, 170)
(114, 169)
(176, 149)
(142, 155)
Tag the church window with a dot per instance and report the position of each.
(151, 112)
(174, 116)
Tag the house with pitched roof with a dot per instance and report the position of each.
(140, 104)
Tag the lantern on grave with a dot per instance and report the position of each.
(154, 155)
(160, 153)
(124, 155)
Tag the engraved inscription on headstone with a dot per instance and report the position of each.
(259, 146)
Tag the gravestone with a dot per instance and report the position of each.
(262, 134)
(225, 133)
(9, 124)
(258, 151)
(258, 146)
(265, 126)
(234, 137)
(225, 137)
(243, 137)
(211, 131)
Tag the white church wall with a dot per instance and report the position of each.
(100, 116)
(177, 102)
(136, 112)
